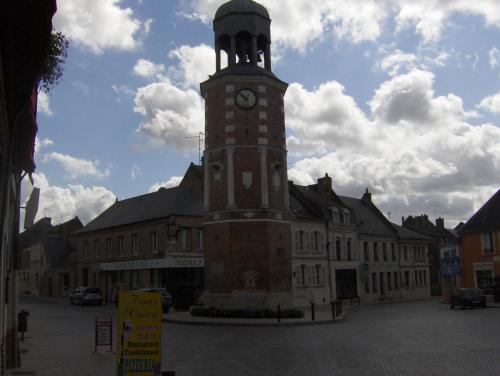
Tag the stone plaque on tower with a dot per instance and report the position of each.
(247, 241)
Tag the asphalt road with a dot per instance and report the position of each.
(417, 338)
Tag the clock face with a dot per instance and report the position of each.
(246, 99)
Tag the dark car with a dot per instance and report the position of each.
(468, 298)
(86, 295)
(166, 298)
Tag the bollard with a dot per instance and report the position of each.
(333, 310)
(279, 313)
(312, 312)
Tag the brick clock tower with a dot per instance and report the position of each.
(247, 236)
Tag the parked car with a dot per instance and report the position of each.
(166, 298)
(468, 297)
(86, 295)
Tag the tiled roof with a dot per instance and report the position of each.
(369, 219)
(407, 234)
(156, 205)
(486, 218)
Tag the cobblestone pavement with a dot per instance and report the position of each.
(417, 338)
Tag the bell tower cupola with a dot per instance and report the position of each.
(243, 31)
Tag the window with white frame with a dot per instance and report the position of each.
(302, 275)
(346, 217)
(338, 249)
(154, 242)
(384, 251)
(375, 251)
(374, 282)
(366, 251)
(320, 275)
(488, 245)
(348, 249)
(109, 248)
(393, 252)
(135, 244)
(335, 214)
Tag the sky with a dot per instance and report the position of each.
(398, 96)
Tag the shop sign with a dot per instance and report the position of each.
(103, 328)
(170, 262)
(139, 334)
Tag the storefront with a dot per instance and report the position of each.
(181, 276)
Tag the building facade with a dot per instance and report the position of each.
(46, 258)
(480, 247)
(25, 28)
(154, 240)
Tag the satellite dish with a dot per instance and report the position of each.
(31, 208)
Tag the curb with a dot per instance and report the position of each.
(255, 324)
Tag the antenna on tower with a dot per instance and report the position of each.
(200, 138)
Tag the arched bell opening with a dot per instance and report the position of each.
(244, 50)
(264, 52)
(222, 52)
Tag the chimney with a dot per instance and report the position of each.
(440, 223)
(325, 184)
(367, 197)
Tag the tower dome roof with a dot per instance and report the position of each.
(241, 6)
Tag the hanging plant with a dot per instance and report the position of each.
(53, 67)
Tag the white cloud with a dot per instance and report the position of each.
(174, 181)
(171, 114)
(194, 64)
(63, 203)
(76, 167)
(396, 61)
(135, 171)
(39, 144)
(123, 89)
(44, 104)
(148, 69)
(491, 103)
(303, 22)
(99, 25)
(173, 107)
(414, 150)
(332, 117)
(494, 57)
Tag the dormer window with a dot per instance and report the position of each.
(335, 214)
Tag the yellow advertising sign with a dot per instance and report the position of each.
(139, 334)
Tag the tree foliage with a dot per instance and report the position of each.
(53, 66)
